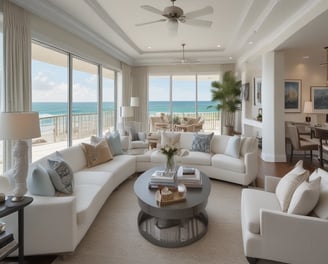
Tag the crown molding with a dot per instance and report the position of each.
(59, 17)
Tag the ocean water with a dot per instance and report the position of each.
(61, 108)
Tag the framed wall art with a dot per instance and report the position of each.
(245, 89)
(319, 98)
(257, 91)
(293, 90)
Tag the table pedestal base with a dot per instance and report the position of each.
(172, 233)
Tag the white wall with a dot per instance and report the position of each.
(310, 73)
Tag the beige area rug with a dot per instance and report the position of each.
(114, 236)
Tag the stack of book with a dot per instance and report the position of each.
(190, 177)
(161, 178)
(7, 243)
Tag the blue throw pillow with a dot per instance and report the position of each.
(39, 182)
(202, 142)
(61, 175)
(233, 147)
(114, 142)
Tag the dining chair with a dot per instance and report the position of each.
(298, 143)
(322, 135)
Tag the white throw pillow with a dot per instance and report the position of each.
(305, 197)
(321, 209)
(288, 184)
(233, 147)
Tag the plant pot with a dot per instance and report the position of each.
(227, 130)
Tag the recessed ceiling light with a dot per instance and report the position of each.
(250, 42)
(306, 57)
(230, 58)
(219, 46)
(149, 47)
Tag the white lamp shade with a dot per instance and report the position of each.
(134, 101)
(308, 109)
(19, 125)
(127, 111)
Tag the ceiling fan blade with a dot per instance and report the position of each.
(200, 12)
(152, 9)
(151, 22)
(197, 22)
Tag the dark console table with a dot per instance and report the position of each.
(8, 207)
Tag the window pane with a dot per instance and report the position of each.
(85, 98)
(206, 108)
(108, 106)
(49, 98)
(184, 96)
(159, 96)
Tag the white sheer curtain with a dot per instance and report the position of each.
(140, 90)
(126, 84)
(17, 64)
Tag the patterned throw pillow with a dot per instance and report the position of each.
(96, 154)
(202, 142)
(61, 175)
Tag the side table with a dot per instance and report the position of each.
(9, 207)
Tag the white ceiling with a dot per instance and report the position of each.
(268, 24)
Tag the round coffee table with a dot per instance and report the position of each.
(172, 225)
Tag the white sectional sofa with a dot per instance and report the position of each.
(216, 164)
(56, 224)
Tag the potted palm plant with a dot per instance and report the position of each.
(227, 96)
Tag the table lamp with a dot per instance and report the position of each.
(126, 111)
(19, 126)
(308, 109)
(134, 101)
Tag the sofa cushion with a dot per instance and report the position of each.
(74, 156)
(202, 142)
(97, 154)
(305, 197)
(61, 175)
(86, 198)
(39, 182)
(91, 177)
(233, 147)
(170, 139)
(114, 142)
(138, 144)
(288, 184)
(219, 143)
(247, 144)
(252, 202)
(225, 162)
(197, 158)
(321, 209)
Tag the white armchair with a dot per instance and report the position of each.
(269, 233)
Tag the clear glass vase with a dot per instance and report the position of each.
(170, 164)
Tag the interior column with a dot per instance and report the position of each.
(273, 131)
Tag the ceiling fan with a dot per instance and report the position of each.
(184, 60)
(175, 15)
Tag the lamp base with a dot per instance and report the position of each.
(17, 198)
(308, 119)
